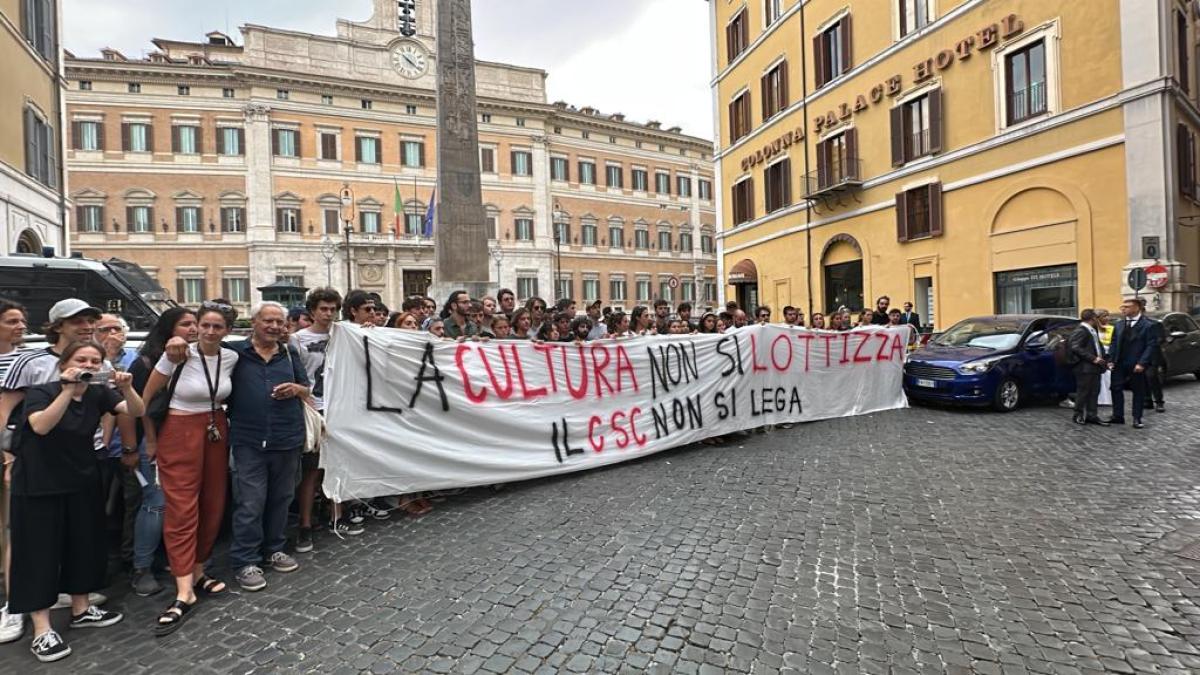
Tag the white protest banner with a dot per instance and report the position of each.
(408, 412)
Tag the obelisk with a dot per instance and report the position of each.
(460, 233)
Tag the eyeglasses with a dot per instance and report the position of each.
(219, 306)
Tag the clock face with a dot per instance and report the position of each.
(410, 60)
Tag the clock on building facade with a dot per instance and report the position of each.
(410, 60)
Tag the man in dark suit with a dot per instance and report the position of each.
(910, 317)
(1086, 356)
(1155, 375)
(1134, 345)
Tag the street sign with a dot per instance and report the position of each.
(1137, 278)
(1157, 276)
(1150, 248)
(673, 283)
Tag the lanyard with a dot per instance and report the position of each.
(212, 386)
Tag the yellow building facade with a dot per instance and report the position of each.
(970, 156)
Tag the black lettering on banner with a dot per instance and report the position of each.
(767, 401)
(673, 366)
(566, 443)
(370, 384)
(685, 415)
(436, 378)
(735, 360)
(723, 409)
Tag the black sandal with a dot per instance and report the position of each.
(207, 585)
(171, 619)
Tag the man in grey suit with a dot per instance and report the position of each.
(1088, 363)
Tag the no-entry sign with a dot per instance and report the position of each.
(1156, 276)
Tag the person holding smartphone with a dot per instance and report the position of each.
(57, 506)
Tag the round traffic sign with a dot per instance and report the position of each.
(1137, 279)
(673, 282)
(1157, 276)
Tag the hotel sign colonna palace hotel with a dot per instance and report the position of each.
(219, 167)
(972, 156)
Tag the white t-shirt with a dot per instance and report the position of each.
(191, 392)
(311, 346)
(6, 361)
(30, 368)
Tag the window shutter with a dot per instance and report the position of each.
(125, 136)
(101, 216)
(128, 218)
(100, 132)
(150, 217)
(179, 291)
(241, 136)
(48, 46)
(744, 29)
(782, 94)
(225, 284)
(935, 121)
(358, 149)
(296, 135)
(787, 184)
(220, 140)
(935, 210)
(279, 220)
(178, 219)
(175, 139)
(729, 42)
(76, 143)
(822, 164)
(898, 135)
(766, 96)
(1183, 160)
(30, 143)
(149, 138)
(199, 140)
(275, 142)
(421, 154)
(50, 145)
(733, 125)
(847, 44)
(852, 165)
(512, 162)
(819, 75)
(901, 216)
(79, 219)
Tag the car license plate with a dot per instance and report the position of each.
(930, 384)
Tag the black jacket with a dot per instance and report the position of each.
(1083, 349)
(1139, 347)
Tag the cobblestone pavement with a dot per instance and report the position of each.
(919, 540)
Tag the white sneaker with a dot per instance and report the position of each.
(64, 600)
(12, 626)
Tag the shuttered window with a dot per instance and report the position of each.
(41, 149)
(743, 201)
(914, 15)
(614, 176)
(366, 149)
(89, 218)
(233, 219)
(919, 213)
(683, 186)
(329, 145)
(522, 163)
(139, 219)
(524, 229)
(236, 290)
(662, 182)
(832, 50)
(185, 140)
(1185, 149)
(332, 219)
(369, 222)
(231, 141)
(38, 26)
(487, 160)
(837, 160)
(739, 117)
(87, 135)
(187, 219)
(287, 220)
(917, 128)
(777, 185)
(412, 153)
(285, 143)
(137, 137)
(1183, 73)
(587, 173)
(737, 35)
(560, 169)
(774, 91)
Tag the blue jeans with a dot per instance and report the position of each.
(264, 485)
(148, 524)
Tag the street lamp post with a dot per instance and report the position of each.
(558, 215)
(497, 254)
(328, 253)
(347, 197)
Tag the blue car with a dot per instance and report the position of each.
(998, 361)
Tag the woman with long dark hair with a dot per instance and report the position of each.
(142, 481)
(708, 323)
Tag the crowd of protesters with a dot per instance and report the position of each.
(110, 450)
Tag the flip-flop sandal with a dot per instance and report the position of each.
(171, 619)
(207, 585)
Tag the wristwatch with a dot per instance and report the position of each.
(128, 451)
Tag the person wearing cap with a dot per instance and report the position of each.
(595, 314)
(71, 320)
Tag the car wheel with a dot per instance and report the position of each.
(1008, 395)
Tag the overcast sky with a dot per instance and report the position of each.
(649, 59)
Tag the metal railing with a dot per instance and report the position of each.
(841, 174)
(1027, 102)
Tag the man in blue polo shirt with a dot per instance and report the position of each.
(266, 433)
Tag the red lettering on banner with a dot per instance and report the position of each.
(592, 436)
(858, 358)
(790, 355)
(598, 367)
(505, 392)
(807, 338)
(546, 349)
(526, 392)
(462, 369)
(756, 366)
(623, 441)
(897, 346)
(625, 366)
(639, 438)
(581, 391)
(845, 349)
(828, 342)
(884, 341)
